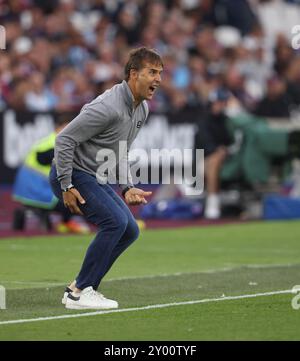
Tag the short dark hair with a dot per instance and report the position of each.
(138, 57)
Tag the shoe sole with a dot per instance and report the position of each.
(81, 307)
(77, 307)
(74, 306)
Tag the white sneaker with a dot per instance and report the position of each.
(88, 298)
(64, 299)
(212, 207)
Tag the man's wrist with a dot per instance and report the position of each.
(125, 190)
(68, 188)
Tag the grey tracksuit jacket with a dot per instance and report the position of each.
(98, 130)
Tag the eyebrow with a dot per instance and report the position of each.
(157, 70)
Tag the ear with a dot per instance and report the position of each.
(133, 74)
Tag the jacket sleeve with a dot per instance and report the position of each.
(92, 120)
(124, 176)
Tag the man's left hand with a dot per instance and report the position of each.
(135, 196)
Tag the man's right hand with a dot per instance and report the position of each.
(71, 199)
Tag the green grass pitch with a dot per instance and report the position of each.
(204, 283)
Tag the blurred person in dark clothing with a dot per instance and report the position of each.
(212, 136)
(292, 76)
(283, 53)
(276, 103)
(238, 14)
(128, 23)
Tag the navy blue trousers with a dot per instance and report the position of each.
(117, 226)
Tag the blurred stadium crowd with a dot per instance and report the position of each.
(223, 59)
(60, 54)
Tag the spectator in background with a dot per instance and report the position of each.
(237, 13)
(128, 22)
(283, 54)
(17, 94)
(39, 98)
(32, 188)
(71, 89)
(276, 103)
(235, 81)
(213, 137)
(105, 68)
(79, 48)
(292, 76)
(40, 55)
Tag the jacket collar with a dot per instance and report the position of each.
(129, 99)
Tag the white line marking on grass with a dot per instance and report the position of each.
(150, 307)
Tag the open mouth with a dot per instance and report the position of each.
(152, 88)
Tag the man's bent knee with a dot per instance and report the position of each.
(133, 230)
